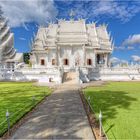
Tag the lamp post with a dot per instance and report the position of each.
(8, 121)
(100, 123)
(33, 99)
(89, 104)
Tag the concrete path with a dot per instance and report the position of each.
(61, 116)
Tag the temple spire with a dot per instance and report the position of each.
(72, 14)
(1, 13)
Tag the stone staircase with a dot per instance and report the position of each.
(69, 77)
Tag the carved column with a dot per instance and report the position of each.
(84, 50)
(106, 59)
(95, 53)
(57, 55)
(33, 59)
(109, 60)
(94, 59)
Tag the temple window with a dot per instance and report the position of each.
(53, 62)
(66, 62)
(89, 62)
(50, 79)
(100, 59)
(42, 62)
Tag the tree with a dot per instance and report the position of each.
(26, 58)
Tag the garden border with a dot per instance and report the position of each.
(92, 118)
(24, 118)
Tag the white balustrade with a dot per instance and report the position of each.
(119, 73)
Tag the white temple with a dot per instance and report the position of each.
(70, 44)
(8, 55)
(73, 49)
(69, 50)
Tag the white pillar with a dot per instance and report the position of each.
(84, 57)
(94, 59)
(106, 60)
(57, 61)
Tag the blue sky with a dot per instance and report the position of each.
(122, 17)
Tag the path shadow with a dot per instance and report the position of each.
(61, 116)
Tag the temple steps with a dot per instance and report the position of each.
(69, 76)
(70, 82)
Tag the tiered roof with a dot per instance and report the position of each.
(73, 32)
(92, 35)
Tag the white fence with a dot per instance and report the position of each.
(28, 74)
(114, 74)
(55, 74)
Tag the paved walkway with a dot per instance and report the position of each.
(61, 116)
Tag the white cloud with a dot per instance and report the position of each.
(115, 9)
(120, 10)
(132, 40)
(25, 27)
(114, 60)
(24, 11)
(130, 48)
(123, 61)
(119, 48)
(21, 38)
(123, 48)
(135, 58)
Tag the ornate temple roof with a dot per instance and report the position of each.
(72, 26)
(73, 32)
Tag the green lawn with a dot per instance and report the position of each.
(18, 98)
(120, 105)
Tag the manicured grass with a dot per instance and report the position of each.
(120, 105)
(18, 98)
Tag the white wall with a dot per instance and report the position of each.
(90, 54)
(73, 54)
(115, 74)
